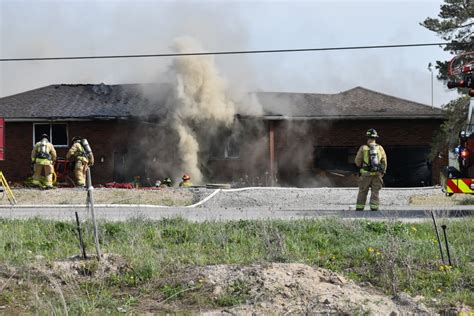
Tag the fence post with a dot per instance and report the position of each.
(90, 200)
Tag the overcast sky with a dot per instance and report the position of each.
(73, 28)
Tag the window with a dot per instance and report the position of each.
(58, 134)
(231, 148)
(225, 148)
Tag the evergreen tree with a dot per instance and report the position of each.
(454, 24)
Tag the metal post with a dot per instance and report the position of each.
(437, 236)
(447, 244)
(81, 242)
(271, 148)
(91, 205)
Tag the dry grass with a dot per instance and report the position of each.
(168, 197)
(438, 199)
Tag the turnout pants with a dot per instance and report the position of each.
(48, 173)
(80, 169)
(374, 183)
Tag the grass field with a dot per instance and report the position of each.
(392, 256)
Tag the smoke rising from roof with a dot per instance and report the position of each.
(199, 98)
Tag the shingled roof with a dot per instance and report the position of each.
(357, 103)
(87, 101)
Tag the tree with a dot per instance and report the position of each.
(454, 24)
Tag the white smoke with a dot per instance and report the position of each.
(199, 99)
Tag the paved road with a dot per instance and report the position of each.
(125, 212)
(257, 203)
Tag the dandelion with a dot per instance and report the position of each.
(370, 250)
(378, 253)
(439, 290)
(445, 267)
(413, 228)
(333, 258)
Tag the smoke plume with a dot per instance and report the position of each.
(199, 99)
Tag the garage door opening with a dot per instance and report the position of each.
(407, 166)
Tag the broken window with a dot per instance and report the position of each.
(57, 132)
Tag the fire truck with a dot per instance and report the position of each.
(458, 176)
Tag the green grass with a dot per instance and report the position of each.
(393, 256)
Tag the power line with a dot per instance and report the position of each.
(225, 52)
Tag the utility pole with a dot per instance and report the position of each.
(430, 68)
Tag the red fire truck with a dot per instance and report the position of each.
(458, 176)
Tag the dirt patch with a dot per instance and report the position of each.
(437, 199)
(261, 289)
(67, 196)
(78, 268)
(280, 288)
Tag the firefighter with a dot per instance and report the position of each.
(372, 161)
(81, 154)
(42, 158)
(166, 183)
(186, 182)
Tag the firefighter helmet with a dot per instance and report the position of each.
(372, 133)
(186, 177)
(76, 139)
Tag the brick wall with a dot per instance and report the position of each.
(105, 138)
(294, 145)
(295, 141)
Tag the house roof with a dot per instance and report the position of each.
(357, 103)
(87, 101)
(84, 101)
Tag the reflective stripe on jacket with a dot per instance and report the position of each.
(362, 159)
(49, 153)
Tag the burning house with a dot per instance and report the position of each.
(155, 131)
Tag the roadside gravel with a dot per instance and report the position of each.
(244, 198)
(324, 198)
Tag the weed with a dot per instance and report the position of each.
(237, 292)
(88, 267)
(172, 291)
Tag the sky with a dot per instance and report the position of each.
(81, 28)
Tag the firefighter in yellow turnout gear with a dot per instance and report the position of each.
(186, 183)
(83, 158)
(42, 158)
(372, 161)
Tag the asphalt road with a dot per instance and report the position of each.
(199, 214)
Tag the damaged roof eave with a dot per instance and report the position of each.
(64, 119)
(350, 117)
